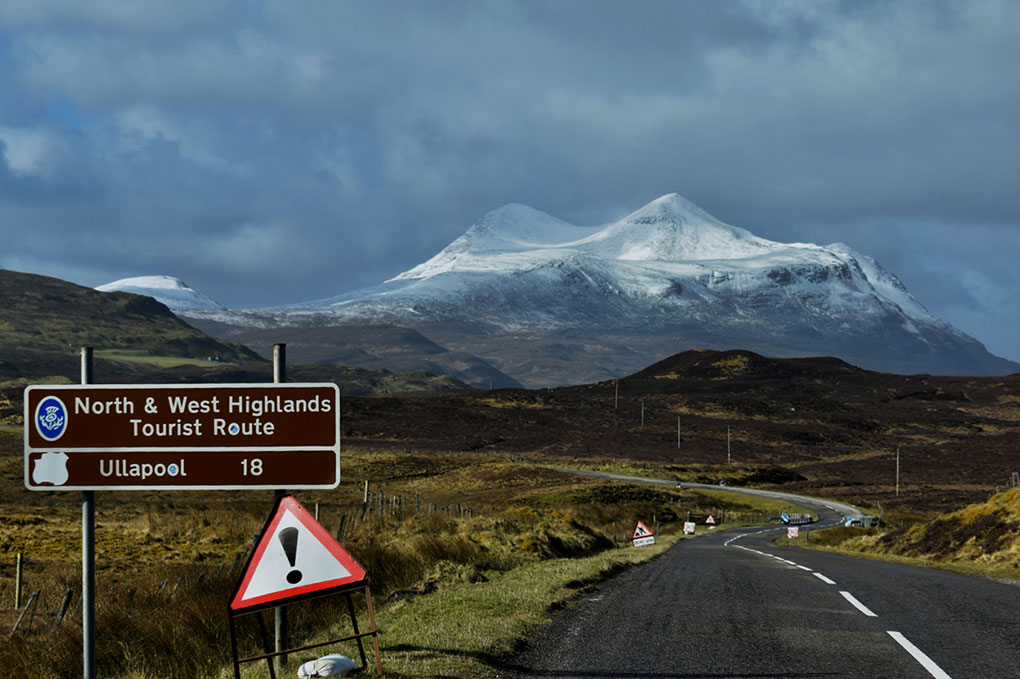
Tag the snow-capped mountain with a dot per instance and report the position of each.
(549, 302)
(173, 292)
(668, 263)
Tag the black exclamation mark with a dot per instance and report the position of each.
(288, 537)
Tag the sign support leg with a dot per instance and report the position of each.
(88, 555)
(354, 621)
(233, 645)
(265, 645)
(88, 583)
(375, 637)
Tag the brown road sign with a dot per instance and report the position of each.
(202, 436)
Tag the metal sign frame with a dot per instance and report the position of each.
(268, 654)
(287, 503)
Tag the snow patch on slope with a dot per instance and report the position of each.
(170, 291)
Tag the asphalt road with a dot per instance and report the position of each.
(733, 604)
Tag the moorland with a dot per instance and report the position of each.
(471, 537)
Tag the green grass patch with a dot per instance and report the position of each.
(833, 539)
(142, 356)
(469, 629)
(753, 503)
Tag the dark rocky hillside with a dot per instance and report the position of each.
(51, 316)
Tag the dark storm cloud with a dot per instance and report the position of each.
(290, 152)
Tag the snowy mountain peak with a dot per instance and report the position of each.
(516, 237)
(671, 206)
(171, 291)
(518, 226)
(672, 228)
(513, 228)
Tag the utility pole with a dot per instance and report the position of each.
(678, 432)
(616, 399)
(897, 471)
(728, 457)
(642, 413)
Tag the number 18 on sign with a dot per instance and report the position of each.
(177, 437)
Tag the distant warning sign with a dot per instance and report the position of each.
(642, 535)
(710, 521)
(792, 532)
(294, 558)
(689, 528)
(641, 531)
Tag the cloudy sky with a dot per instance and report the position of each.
(276, 152)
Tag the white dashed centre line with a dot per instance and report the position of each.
(926, 662)
(858, 605)
(918, 655)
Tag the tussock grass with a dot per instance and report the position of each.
(981, 539)
(166, 563)
(477, 554)
(471, 629)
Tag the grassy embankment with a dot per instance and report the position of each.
(467, 555)
(981, 539)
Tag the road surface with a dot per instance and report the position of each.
(733, 604)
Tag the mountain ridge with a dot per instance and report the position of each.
(664, 278)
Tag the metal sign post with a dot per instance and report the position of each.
(88, 554)
(280, 614)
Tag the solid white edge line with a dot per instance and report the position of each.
(858, 605)
(824, 579)
(803, 568)
(919, 656)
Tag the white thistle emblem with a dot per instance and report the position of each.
(51, 419)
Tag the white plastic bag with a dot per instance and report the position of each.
(327, 666)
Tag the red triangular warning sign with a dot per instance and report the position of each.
(710, 520)
(640, 531)
(294, 558)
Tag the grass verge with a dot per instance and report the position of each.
(469, 630)
(831, 540)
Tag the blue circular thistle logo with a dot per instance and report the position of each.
(51, 418)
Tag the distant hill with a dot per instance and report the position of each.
(373, 347)
(833, 428)
(46, 315)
